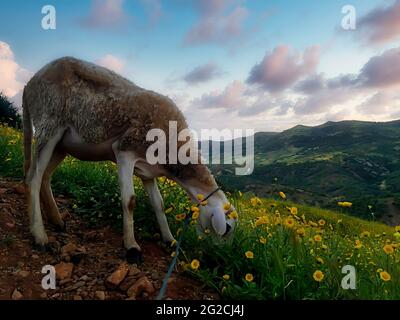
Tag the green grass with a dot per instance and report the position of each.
(283, 262)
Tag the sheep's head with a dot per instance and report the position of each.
(216, 214)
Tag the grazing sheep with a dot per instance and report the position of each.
(93, 114)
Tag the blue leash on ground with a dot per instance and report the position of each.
(161, 294)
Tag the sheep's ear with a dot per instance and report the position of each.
(218, 222)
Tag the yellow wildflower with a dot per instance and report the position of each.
(195, 215)
(365, 234)
(261, 220)
(195, 264)
(319, 260)
(388, 249)
(385, 276)
(318, 275)
(289, 222)
(233, 215)
(293, 211)
(358, 244)
(263, 240)
(249, 255)
(282, 195)
(180, 217)
(249, 277)
(301, 231)
(226, 277)
(317, 238)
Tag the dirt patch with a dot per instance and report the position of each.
(95, 255)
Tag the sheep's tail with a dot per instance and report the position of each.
(28, 131)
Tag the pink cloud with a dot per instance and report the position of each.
(219, 22)
(111, 62)
(105, 13)
(232, 97)
(282, 68)
(382, 71)
(381, 25)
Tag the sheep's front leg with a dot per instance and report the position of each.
(125, 163)
(158, 206)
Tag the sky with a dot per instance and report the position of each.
(265, 65)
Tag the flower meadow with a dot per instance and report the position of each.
(279, 250)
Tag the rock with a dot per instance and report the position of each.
(2, 191)
(56, 295)
(64, 270)
(155, 275)
(68, 249)
(84, 278)
(16, 295)
(133, 270)
(79, 284)
(43, 295)
(65, 281)
(142, 285)
(117, 276)
(127, 283)
(77, 297)
(35, 256)
(100, 295)
(23, 273)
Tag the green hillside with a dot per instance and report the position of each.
(348, 160)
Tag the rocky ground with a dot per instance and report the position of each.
(90, 263)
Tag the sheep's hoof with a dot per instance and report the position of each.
(134, 255)
(42, 248)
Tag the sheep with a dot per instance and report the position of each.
(93, 114)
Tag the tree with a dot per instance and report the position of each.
(8, 113)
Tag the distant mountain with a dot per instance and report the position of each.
(349, 160)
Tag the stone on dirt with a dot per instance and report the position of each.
(64, 270)
(142, 285)
(16, 295)
(117, 276)
(100, 295)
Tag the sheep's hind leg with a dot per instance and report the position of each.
(43, 154)
(125, 163)
(46, 194)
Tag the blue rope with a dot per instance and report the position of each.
(161, 294)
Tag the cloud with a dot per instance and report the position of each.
(105, 14)
(220, 22)
(111, 62)
(322, 101)
(382, 71)
(311, 84)
(379, 103)
(281, 68)
(12, 76)
(231, 98)
(381, 25)
(202, 73)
